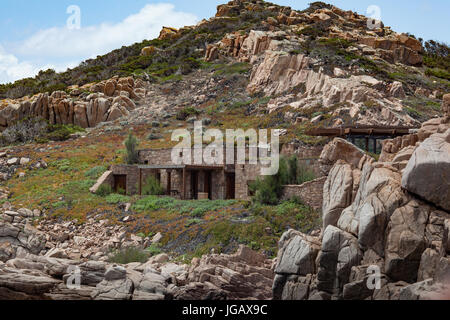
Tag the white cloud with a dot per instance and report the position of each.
(66, 46)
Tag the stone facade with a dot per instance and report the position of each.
(227, 181)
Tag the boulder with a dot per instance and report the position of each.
(337, 193)
(340, 252)
(405, 242)
(340, 149)
(298, 255)
(427, 174)
(148, 51)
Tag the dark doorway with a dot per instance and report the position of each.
(231, 186)
(194, 184)
(208, 184)
(120, 183)
(169, 183)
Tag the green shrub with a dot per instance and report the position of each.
(61, 132)
(153, 250)
(196, 208)
(152, 187)
(104, 190)
(95, 172)
(132, 154)
(304, 174)
(268, 190)
(439, 73)
(236, 68)
(129, 255)
(117, 198)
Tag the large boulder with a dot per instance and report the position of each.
(427, 174)
(297, 255)
(340, 149)
(337, 193)
(340, 252)
(405, 242)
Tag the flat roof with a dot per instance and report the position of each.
(363, 130)
(179, 167)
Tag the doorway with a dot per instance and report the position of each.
(194, 185)
(208, 184)
(120, 183)
(230, 186)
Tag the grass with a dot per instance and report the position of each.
(196, 208)
(235, 68)
(117, 198)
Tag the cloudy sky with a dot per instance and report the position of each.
(34, 35)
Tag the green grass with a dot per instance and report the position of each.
(117, 198)
(196, 208)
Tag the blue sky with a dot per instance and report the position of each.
(34, 36)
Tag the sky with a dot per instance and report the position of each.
(37, 35)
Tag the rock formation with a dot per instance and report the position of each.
(390, 217)
(50, 262)
(85, 107)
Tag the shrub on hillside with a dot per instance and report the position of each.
(132, 153)
(104, 190)
(129, 255)
(187, 112)
(152, 187)
(269, 189)
(95, 172)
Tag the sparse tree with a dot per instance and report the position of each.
(131, 143)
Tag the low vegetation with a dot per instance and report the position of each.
(36, 130)
(268, 190)
(196, 208)
(132, 153)
(129, 255)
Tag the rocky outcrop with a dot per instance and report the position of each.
(379, 241)
(107, 101)
(428, 172)
(70, 262)
(168, 33)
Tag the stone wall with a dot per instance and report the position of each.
(310, 193)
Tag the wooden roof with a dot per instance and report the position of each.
(369, 131)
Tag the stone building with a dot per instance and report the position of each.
(201, 181)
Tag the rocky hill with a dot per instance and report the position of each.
(254, 65)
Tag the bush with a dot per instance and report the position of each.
(304, 174)
(104, 190)
(95, 172)
(269, 189)
(24, 131)
(61, 132)
(129, 255)
(117, 198)
(131, 144)
(152, 187)
(187, 112)
(196, 208)
(153, 250)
